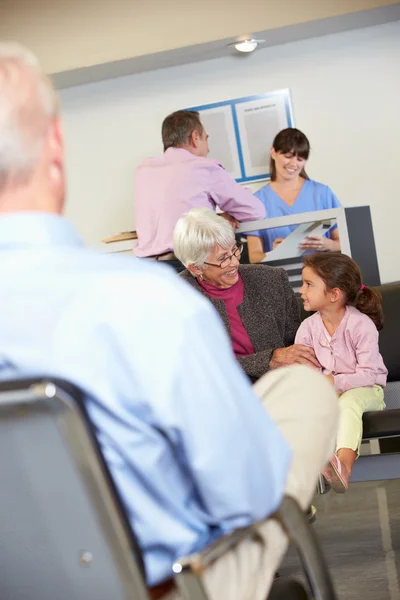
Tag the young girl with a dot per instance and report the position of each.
(344, 335)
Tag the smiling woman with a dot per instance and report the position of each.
(255, 302)
(291, 192)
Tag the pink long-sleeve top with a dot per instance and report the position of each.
(167, 186)
(351, 355)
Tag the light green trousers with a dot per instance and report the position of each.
(353, 404)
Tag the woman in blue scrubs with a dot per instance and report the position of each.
(291, 192)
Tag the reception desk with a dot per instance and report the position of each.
(356, 239)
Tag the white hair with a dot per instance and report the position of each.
(197, 233)
(28, 103)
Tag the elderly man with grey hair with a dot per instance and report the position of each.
(255, 302)
(193, 452)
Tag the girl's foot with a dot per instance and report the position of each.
(336, 475)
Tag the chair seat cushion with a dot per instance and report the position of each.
(381, 424)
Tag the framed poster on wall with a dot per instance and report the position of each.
(242, 130)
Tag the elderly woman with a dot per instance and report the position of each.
(255, 302)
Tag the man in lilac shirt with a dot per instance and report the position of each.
(183, 178)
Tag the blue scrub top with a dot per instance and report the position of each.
(312, 196)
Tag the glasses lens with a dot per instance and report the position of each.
(225, 263)
(238, 251)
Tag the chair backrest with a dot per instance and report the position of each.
(63, 531)
(389, 337)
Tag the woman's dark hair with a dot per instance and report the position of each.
(340, 271)
(291, 141)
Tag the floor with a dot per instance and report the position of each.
(360, 536)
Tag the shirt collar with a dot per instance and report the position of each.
(173, 153)
(342, 325)
(36, 229)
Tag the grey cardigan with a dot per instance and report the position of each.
(269, 312)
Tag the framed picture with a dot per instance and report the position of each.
(242, 130)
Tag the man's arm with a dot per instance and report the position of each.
(235, 453)
(233, 198)
(202, 402)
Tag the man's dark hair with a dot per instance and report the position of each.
(179, 126)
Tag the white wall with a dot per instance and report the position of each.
(346, 97)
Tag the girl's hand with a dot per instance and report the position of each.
(330, 378)
(319, 243)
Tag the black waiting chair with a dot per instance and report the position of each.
(64, 533)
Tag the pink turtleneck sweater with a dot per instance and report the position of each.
(232, 298)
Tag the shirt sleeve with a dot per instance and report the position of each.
(259, 195)
(202, 402)
(303, 335)
(367, 355)
(331, 199)
(233, 198)
(223, 429)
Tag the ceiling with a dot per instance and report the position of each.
(78, 42)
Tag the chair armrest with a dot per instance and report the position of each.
(189, 569)
(198, 562)
(295, 522)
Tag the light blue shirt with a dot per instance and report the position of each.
(312, 196)
(192, 451)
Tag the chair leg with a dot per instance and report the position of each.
(322, 486)
(295, 523)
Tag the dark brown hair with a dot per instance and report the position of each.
(340, 271)
(179, 126)
(290, 141)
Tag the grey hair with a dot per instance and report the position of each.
(197, 233)
(28, 103)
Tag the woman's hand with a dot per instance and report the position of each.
(277, 242)
(319, 243)
(292, 355)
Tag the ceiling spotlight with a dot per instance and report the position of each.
(248, 45)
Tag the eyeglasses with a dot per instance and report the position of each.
(236, 253)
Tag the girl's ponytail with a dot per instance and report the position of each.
(369, 302)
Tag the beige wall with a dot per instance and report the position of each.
(69, 34)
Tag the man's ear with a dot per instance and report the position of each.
(196, 271)
(55, 165)
(195, 138)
